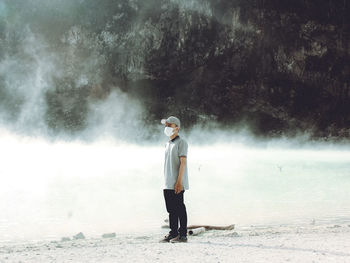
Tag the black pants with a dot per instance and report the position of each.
(177, 211)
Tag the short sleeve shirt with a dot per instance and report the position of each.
(173, 150)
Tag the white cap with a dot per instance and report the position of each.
(171, 119)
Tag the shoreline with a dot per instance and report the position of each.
(302, 243)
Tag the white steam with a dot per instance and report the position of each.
(26, 78)
(117, 116)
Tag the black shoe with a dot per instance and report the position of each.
(179, 239)
(167, 238)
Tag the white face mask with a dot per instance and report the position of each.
(168, 131)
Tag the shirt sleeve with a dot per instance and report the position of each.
(183, 147)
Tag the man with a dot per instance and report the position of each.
(176, 180)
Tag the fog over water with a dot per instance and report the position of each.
(55, 189)
(97, 166)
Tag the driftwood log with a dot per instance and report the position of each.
(194, 230)
(197, 229)
(209, 227)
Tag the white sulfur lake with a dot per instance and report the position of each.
(50, 190)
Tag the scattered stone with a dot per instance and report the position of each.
(69, 214)
(142, 237)
(109, 235)
(79, 236)
(65, 239)
(234, 234)
(334, 226)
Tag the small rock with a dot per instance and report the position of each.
(108, 235)
(79, 236)
(69, 214)
(65, 239)
(334, 226)
(142, 237)
(235, 234)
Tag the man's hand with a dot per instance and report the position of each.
(178, 187)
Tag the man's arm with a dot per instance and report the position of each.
(178, 185)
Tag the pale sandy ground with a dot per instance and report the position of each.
(307, 243)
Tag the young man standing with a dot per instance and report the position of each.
(176, 180)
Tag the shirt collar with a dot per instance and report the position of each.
(177, 136)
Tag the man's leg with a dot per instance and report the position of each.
(170, 202)
(182, 213)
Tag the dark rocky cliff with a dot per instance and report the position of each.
(279, 66)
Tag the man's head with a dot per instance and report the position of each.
(172, 122)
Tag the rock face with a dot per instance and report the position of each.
(278, 66)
